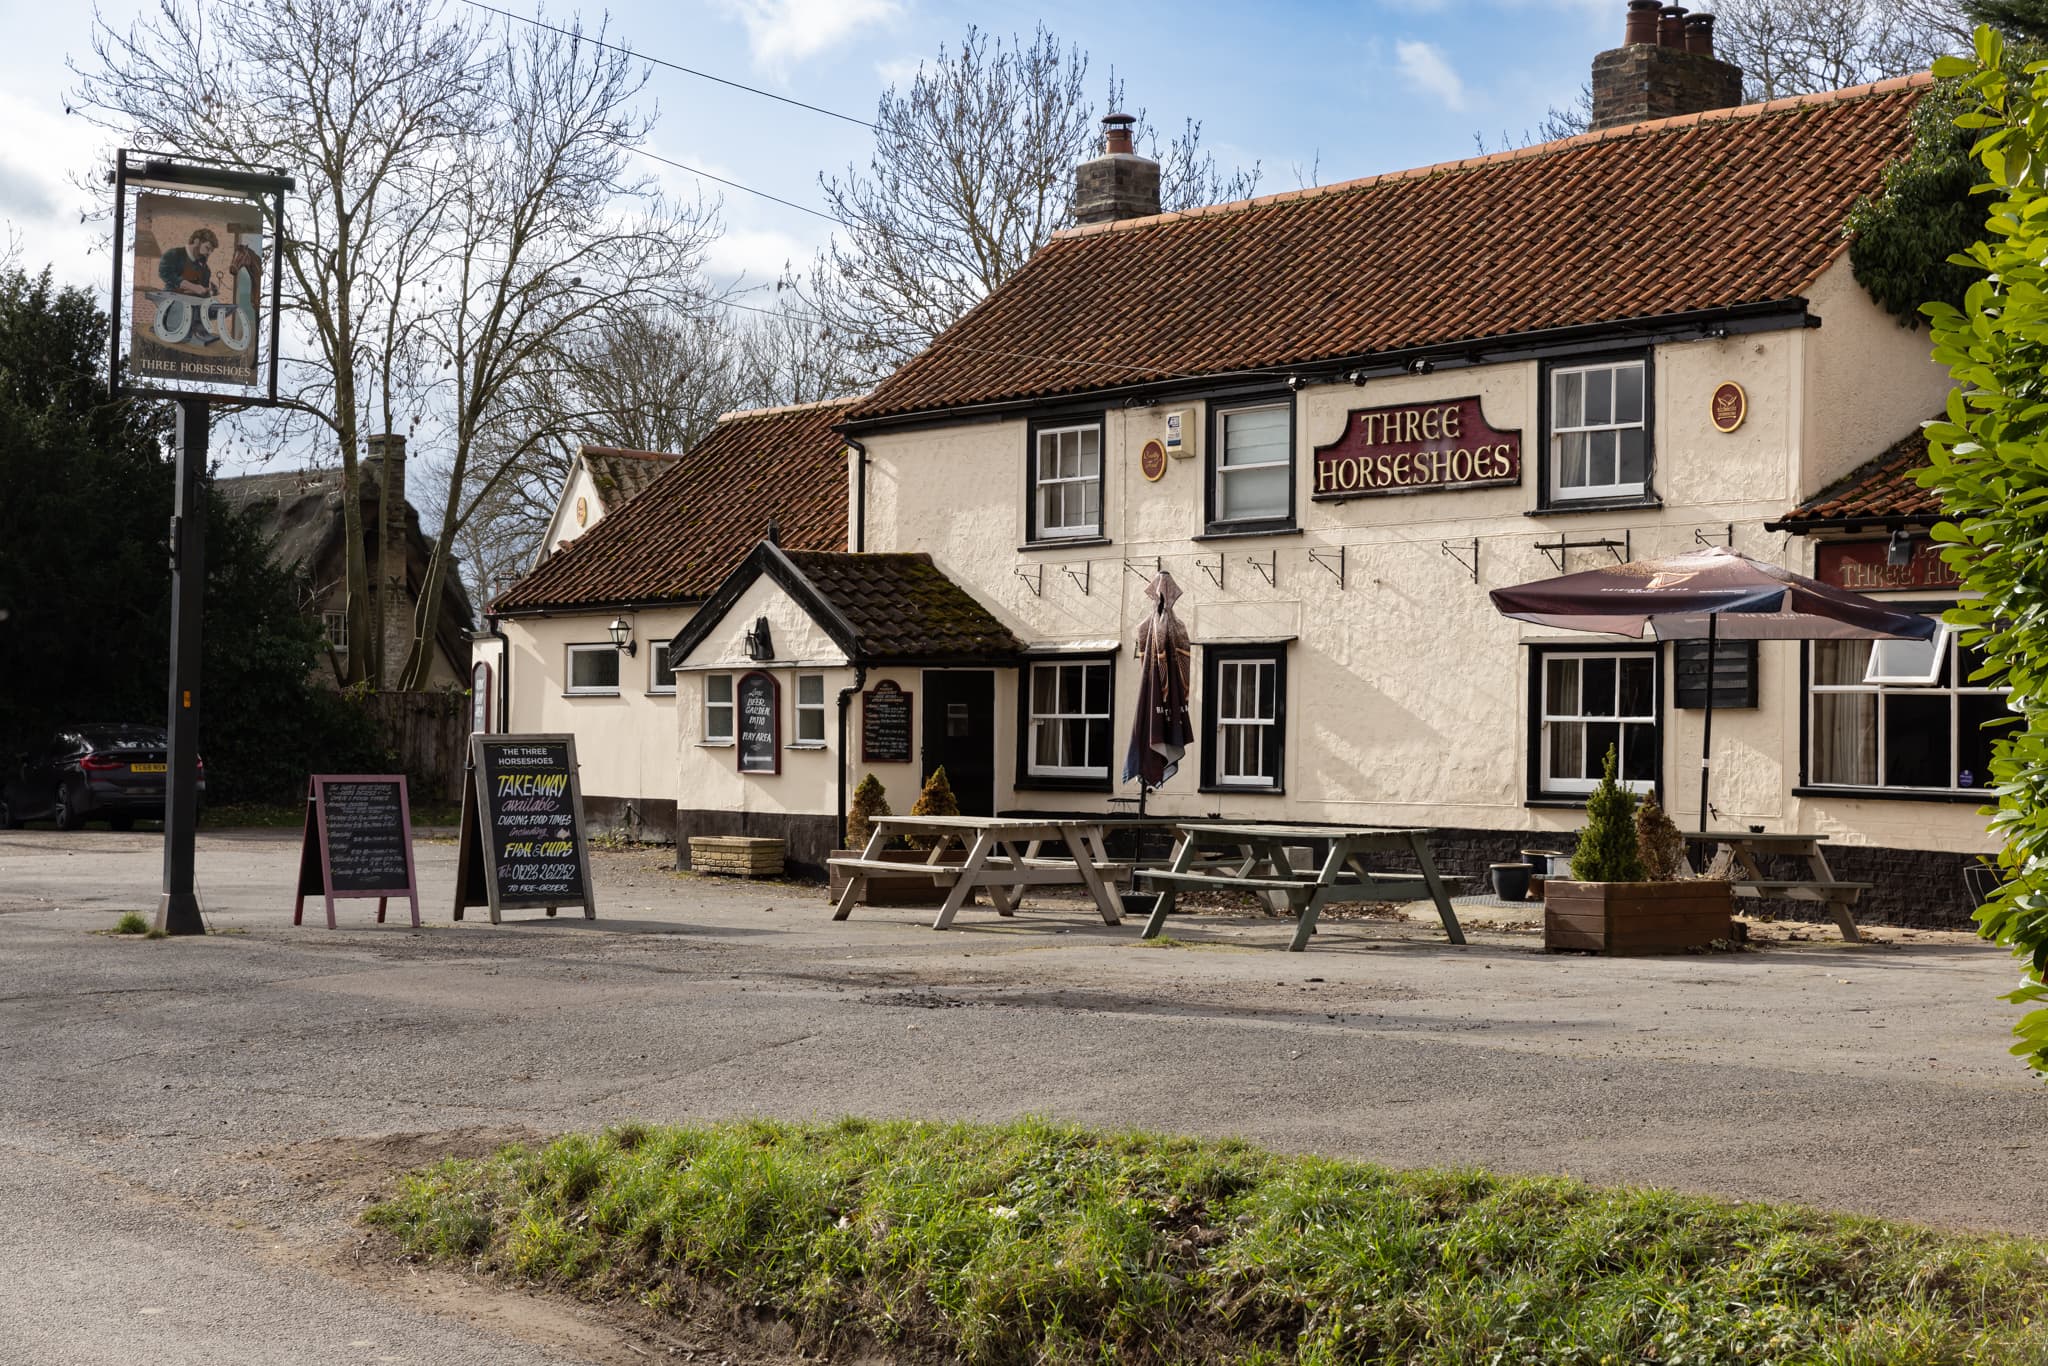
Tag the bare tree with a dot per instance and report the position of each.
(548, 237)
(786, 353)
(972, 172)
(1802, 47)
(356, 99)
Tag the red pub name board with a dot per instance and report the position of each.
(1417, 448)
(1863, 567)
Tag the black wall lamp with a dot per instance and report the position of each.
(760, 645)
(1899, 549)
(621, 632)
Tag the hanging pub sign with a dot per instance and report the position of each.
(357, 843)
(885, 724)
(1865, 567)
(760, 723)
(521, 842)
(1417, 448)
(195, 276)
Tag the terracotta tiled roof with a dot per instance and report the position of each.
(680, 538)
(1882, 490)
(621, 475)
(1672, 216)
(902, 606)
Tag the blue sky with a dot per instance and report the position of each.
(1313, 92)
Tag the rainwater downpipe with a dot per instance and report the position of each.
(860, 521)
(497, 633)
(860, 678)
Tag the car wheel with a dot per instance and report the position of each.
(66, 814)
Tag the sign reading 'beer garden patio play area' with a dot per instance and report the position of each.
(1417, 448)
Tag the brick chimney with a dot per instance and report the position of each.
(1119, 183)
(1664, 67)
(384, 461)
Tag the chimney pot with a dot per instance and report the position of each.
(1699, 34)
(1642, 21)
(1116, 135)
(1671, 28)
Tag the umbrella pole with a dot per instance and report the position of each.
(1707, 725)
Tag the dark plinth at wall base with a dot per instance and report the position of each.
(809, 839)
(1635, 917)
(644, 820)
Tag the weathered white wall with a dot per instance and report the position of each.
(563, 525)
(1869, 381)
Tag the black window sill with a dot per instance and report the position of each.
(1224, 790)
(1975, 797)
(1568, 507)
(1226, 533)
(1032, 783)
(1062, 542)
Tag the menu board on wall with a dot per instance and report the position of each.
(885, 724)
(760, 723)
(357, 842)
(522, 827)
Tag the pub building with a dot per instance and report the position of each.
(1337, 417)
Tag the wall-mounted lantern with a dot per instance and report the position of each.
(760, 645)
(621, 632)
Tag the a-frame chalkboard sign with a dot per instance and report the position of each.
(357, 842)
(522, 827)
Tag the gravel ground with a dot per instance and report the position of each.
(187, 1126)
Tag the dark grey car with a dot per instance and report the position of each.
(113, 772)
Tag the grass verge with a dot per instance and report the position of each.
(1039, 1242)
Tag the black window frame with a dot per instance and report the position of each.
(1212, 454)
(1025, 779)
(1546, 502)
(1532, 717)
(1212, 657)
(1034, 537)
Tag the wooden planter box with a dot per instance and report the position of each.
(1636, 917)
(915, 890)
(737, 855)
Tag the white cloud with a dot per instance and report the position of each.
(781, 33)
(898, 72)
(38, 201)
(1425, 68)
(757, 255)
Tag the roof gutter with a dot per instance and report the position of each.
(586, 608)
(1806, 526)
(1707, 324)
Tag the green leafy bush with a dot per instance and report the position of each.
(1607, 846)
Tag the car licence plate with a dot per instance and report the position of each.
(149, 768)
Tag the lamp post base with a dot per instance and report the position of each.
(178, 913)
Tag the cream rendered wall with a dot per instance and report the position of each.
(1407, 692)
(627, 745)
(563, 526)
(1869, 381)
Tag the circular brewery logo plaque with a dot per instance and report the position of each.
(582, 511)
(1730, 406)
(1152, 460)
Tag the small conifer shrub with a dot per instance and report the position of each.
(937, 799)
(869, 801)
(1660, 844)
(1607, 846)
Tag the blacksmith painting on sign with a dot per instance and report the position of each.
(198, 289)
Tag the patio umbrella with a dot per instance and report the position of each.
(1712, 594)
(1160, 731)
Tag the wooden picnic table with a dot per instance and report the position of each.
(1211, 856)
(1004, 856)
(1735, 858)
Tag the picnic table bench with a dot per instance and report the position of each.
(1004, 855)
(1736, 858)
(1211, 856)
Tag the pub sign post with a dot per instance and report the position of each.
(190, 327)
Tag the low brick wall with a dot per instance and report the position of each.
(809, 839)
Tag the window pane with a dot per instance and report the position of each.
(1255, 493)
(810, 690)
(1091, 452)
(1070, 689)
(1628, 394)
(1639, 686)
(1906, 660)
(1838, 662)
(1045, 748)
(718, 688)
(810, 725)
(1045, 681)
(1845, 736)
(1248, 691)
(1098, 689)
(1634, 466)
(1916, 743)
(1973, 741)
(1091, 506)
(1599, 397)
(664, 676)
(1600, 467)
(1098, 744)
(1266, 675)
(1601, 736)
(1255, 436)
(1074, 743)
(597, 668)
(1567, 749)
(1571, 461)
(1638, 753)
(1569, 401)
(1599, 681)
(1561, 687)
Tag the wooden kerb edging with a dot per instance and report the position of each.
(521, 842)
(357, 842)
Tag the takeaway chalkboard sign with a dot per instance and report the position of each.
(522, 827)
(760, 712)
(885, 724)
(357, 842)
